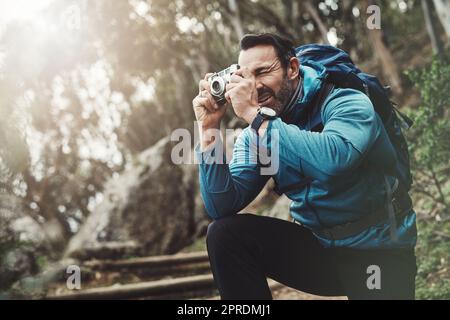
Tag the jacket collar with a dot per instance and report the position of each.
(311, 76)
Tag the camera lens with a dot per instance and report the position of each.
(217, 86)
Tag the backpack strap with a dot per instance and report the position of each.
(319, 100)
(390, 207)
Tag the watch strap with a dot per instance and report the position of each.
(257, 122)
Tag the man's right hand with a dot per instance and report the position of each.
(207, 112)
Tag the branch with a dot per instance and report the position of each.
(428, 194)
(442, 234)
(438, 186)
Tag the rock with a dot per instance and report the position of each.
(153, 203)
(16, 263)
(37, 286)
(22, 241)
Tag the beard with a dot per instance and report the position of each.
(280, 98)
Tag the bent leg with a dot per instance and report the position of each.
(244, 249)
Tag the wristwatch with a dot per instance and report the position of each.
(264, 113)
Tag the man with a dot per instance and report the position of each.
(244, 249)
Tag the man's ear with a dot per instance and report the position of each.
(293, 68)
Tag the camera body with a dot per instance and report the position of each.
(219, 80)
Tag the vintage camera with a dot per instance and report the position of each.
(218, 81)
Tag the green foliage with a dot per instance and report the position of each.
(430, 136)
(42, 262)
(433, 260)
(429, 142)
(400, 25)
(432, 128)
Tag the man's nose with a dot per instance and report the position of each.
(259, 85)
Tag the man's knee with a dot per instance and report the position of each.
(216, 231)
(224, 230)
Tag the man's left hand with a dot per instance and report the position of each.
(241, 92)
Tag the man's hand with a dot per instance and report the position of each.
(241, 92)
(207, 112)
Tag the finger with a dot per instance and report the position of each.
(203, 102)
(198, 102)
(213, 102)
(203, 85)
(210, 104)
(227, 96)
(235, 78)
(208, 75)
(230, 86)
(244, 72)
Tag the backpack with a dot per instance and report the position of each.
(342, 72)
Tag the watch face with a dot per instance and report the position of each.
(267, 112)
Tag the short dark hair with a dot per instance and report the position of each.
(284, 47)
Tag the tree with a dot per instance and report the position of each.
(312, 10)
(431, 27)
(235, 18)
(382, 52)
(443, 11)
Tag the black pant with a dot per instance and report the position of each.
(244, 249)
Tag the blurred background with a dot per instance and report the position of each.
(90, 92)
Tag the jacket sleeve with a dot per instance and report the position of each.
(351, 127)
(228, 188)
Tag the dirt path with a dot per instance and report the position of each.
(286, 293)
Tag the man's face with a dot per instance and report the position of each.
(275, 85)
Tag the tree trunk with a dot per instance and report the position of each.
(288, 12)
(388, 63)
(235, 18)
(348, 29)
(443, 11)
(291, 12)
(297, 21)
(431, 28)
(385, 57)
(311, 9)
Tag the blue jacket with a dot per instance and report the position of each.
(341, 191)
